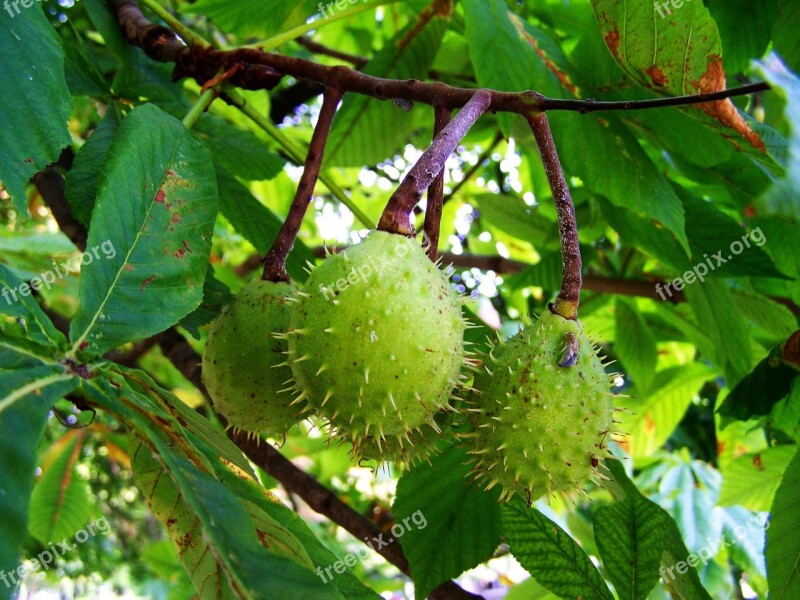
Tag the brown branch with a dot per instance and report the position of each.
(569, 296)
(263, 70)
(433, 212)
(52, 188)
(396, 218)
(275, 261)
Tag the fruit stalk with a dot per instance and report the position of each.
(275, 261)
(433, 212)
(566, 303)
(396, 218)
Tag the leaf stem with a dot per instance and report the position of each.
(199, 107)
(275, 261)
(189, 36)
(566, 303)
(396, 218)
(433, 211)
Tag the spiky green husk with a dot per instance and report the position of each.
(538, 427)
(376, 339)
(419, 445)
(240, 358)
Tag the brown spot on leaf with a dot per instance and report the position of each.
(724, 111)
(128, 267)
(650, 424)
(612, 41)
(176, 218)
(657, 76)
(161, 196)
(757, 462)
(146, 282)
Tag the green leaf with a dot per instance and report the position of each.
(629, 536)
(62, 502)
(742, 39)
(82, 178)
(32, 68)
(366, 130)
(437, 503)
(635, 344)
(237, 150)
(611, 163)
(549, 554)
(682, 581)
(255, 18)
(215, 296)
(673, 51)
(783, 543)
(495, 37)
(758, 391)
(545, 274)
(750, 480)
(154, 218)
(25, 313)
(219, 524)
(26, 418)
(512, 216)
(654, 417)
(716, 313)
(774, 318)
(257, 223)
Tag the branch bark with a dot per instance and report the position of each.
(433, 212)
(275, 261)
(569, 295)
(263, 70)
(397, 216)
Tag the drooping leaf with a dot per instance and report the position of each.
(438, 503)
(786, 33)
(672, 51)
(25, 400)
(682, 582)
(155, 209)
(240, 566)
(61, 502)
(32, 68)
(549, 554)
(654, 417)
(783, 543)
(629, 535)
(635, 344)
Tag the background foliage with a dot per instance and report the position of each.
(707, 374)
